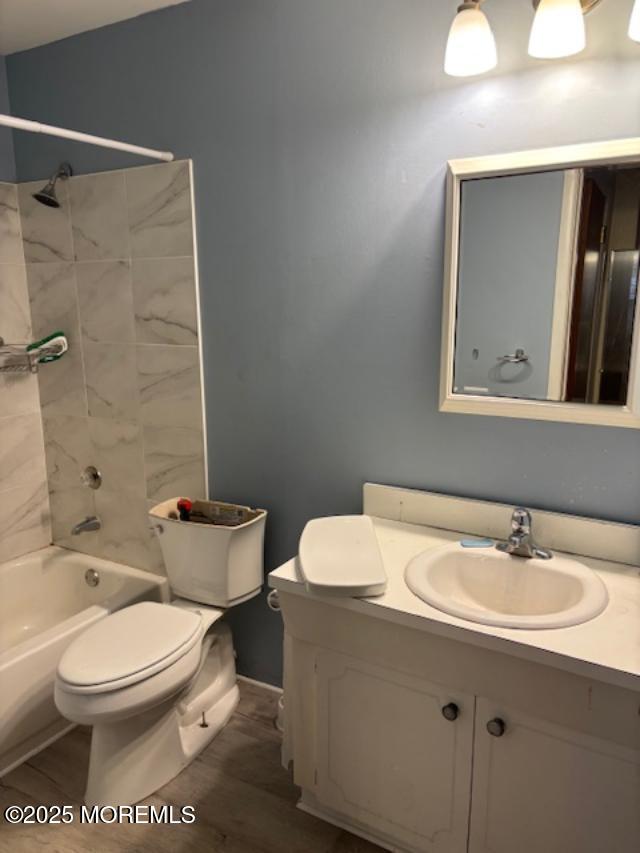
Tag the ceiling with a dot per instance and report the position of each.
(29, 23)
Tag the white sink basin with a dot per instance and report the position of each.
(485, 585)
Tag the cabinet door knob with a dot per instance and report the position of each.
(450, 712)
(496, 727)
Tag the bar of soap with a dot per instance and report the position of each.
(477, 543)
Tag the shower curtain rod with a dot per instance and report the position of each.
(50, 130)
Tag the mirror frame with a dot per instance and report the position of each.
(620, 151)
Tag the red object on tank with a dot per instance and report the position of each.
(184, 508)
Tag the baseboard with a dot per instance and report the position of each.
(262, 684)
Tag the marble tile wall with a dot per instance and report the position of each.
(114, 268)
(24, 504)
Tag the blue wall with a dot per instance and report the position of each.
(320, 131)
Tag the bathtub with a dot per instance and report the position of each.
(45, 602)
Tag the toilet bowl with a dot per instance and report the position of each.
(157, 682)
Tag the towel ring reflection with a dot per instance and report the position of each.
(518, 357)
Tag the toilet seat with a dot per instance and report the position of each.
(111, 705)
(128, 647)
(132, 660)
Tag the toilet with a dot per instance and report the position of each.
(157, 682)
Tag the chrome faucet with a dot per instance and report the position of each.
(88, 525)
(520, 543)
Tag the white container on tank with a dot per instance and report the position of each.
(211, 563)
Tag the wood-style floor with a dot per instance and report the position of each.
(244, 800)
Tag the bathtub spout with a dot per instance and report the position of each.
(90, 523)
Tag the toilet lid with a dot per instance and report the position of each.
(339, 555)
(129, 645)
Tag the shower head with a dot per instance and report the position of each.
(47, 195)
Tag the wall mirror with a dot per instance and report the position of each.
(541, 310)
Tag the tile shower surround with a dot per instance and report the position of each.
(24, 505)
(114, 268)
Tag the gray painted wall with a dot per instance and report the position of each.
(7, 158)
(320, 131)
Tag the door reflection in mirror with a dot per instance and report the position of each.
(605, 287)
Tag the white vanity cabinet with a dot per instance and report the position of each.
(544, 788)
(388, 758)
(372, 750)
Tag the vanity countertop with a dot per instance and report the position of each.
(606, 648)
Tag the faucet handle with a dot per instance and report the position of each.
(521, 519)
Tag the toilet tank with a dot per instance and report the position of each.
(219, 564)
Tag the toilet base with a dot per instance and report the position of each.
(133, 758)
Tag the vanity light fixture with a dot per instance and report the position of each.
(558, 30)
(634, 23)
(471, 47)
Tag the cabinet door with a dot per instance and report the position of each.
(541, 788)
(388, 758)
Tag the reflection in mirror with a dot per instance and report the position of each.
(547, 284)
(605, 287)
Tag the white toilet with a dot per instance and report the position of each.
(157, 681)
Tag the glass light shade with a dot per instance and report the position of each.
(471, 47)
(558, 29)
(634, 23)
